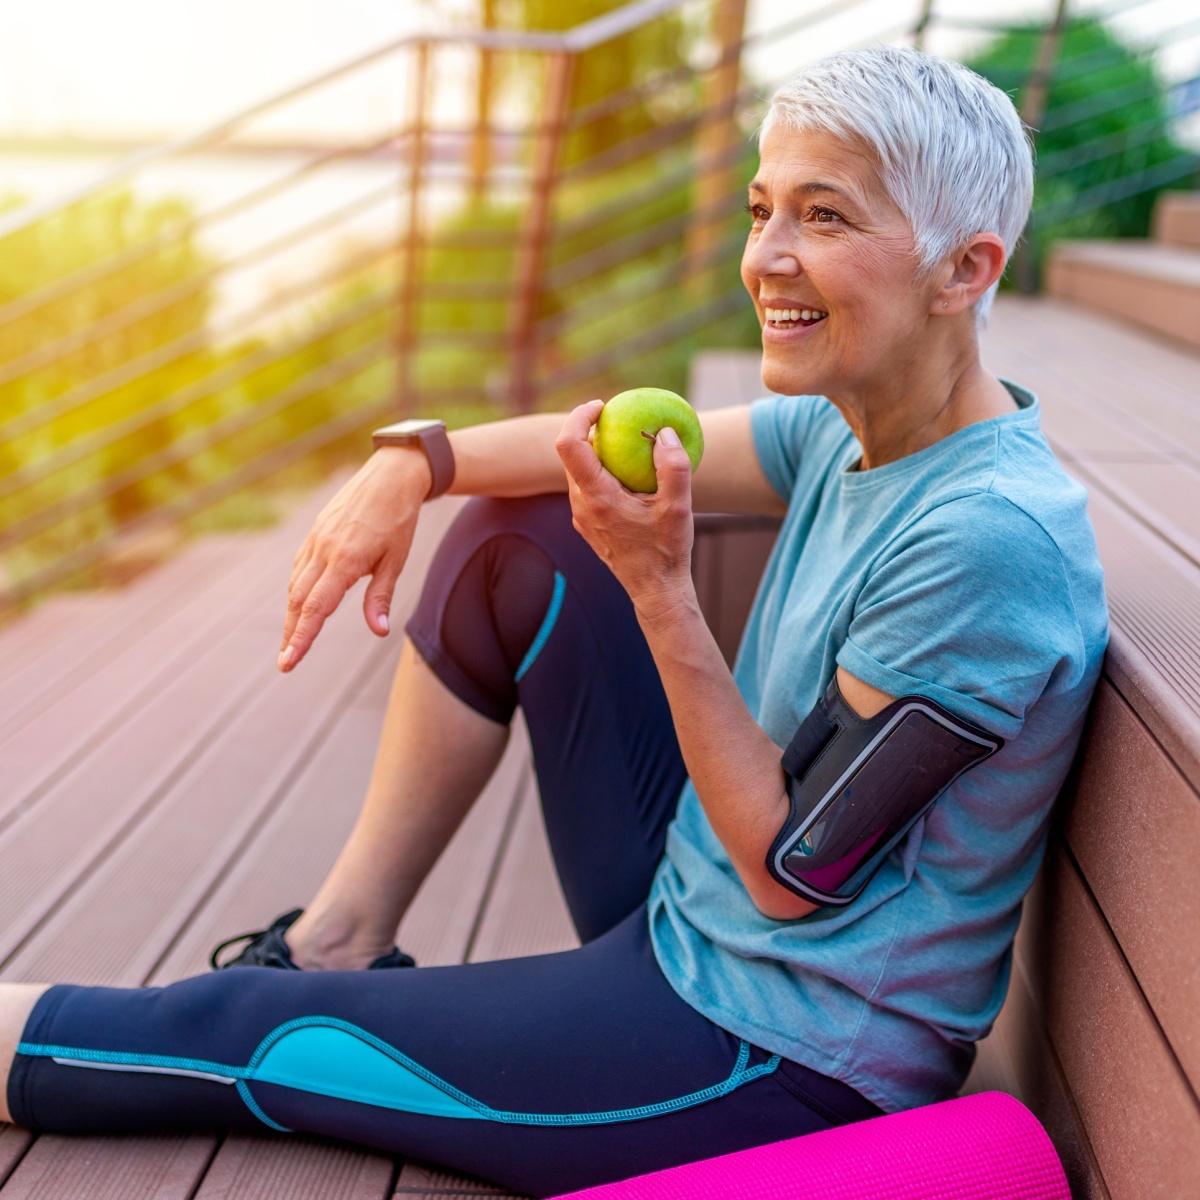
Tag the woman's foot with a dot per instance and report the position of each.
(283, 945)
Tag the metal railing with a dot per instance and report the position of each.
(433, 261)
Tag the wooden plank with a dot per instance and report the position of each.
(1133, 824)
(1121, 376)
(14, 1143)
(291, 854)
(1153, 658)
(100, 1168)
(1142, 1118)
(116, 925)
(58, 655)
(46, 848)
(1040, 1082)
(296, 1167)
(419, 1181)
(66, 658)
(68, 730)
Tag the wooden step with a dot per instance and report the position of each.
(1177, 219)
(1152, 286)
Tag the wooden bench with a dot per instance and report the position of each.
(1100, 1033)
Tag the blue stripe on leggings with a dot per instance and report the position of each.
(543, 634)
(345, 1062)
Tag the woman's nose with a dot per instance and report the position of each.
(771, 253)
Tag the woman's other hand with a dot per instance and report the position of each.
(366, 529)
(644, 539)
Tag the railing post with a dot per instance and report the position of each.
(717, 174)
(531, 246)
(481, 146)
(410, 280)
(1033, 108)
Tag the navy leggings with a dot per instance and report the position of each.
(543, 1074)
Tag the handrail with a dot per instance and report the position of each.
(592, 266)
(586, 36)
(22, 306)
(171, 352)
(1120, 189)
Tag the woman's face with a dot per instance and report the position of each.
(827, 239)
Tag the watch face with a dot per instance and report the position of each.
(408, 428)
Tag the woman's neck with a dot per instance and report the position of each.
(919, 407)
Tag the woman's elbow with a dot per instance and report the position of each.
(773, 900)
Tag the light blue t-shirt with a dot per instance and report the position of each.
(967, 573)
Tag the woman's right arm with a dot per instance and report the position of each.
(368, 527)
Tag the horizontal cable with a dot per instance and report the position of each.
(1118, 189)
(222, 430)
(310, 442)
(593, 262)
(993, 25)
(617, 299)
(676, 327)
(583, 37)
(153, 303)
(1068, 69)
(1083, 110)
(693, 166)
(21, 306)
(236, 372)
(171, 352)
(1098, 149)
(630, 97)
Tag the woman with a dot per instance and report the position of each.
(931, 547)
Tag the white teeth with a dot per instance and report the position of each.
(784, 315)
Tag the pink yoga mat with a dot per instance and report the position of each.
(984, 1147)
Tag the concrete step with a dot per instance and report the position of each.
(1177, 219)
(1146, 284)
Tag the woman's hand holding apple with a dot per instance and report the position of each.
(645, 539)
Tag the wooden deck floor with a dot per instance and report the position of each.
(161, 787)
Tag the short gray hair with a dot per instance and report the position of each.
(954, 155)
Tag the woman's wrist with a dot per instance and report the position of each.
(412, 469)
(667, 604)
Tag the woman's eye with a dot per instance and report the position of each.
(823, 216)
(758, 213)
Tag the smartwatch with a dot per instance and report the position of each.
(430, 437)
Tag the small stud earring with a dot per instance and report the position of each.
(945, 303)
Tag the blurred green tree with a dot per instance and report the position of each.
(1104, 136)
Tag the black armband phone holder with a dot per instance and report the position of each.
(857, 786)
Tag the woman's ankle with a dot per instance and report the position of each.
(323, 940)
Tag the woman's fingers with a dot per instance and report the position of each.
(302, 581)
(574, 448)
(673, 468)
(377, 602)
(311, 610)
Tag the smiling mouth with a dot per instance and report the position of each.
(789, 318)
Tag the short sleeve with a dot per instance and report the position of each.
(781, 425)
(971, 607)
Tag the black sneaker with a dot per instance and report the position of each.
(266, 948)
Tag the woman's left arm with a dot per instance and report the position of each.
(646, 540)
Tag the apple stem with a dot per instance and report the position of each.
(648, 436)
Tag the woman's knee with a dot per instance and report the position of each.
(489, 589)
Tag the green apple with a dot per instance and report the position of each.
(628, 425)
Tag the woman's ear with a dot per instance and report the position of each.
(973, 269)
